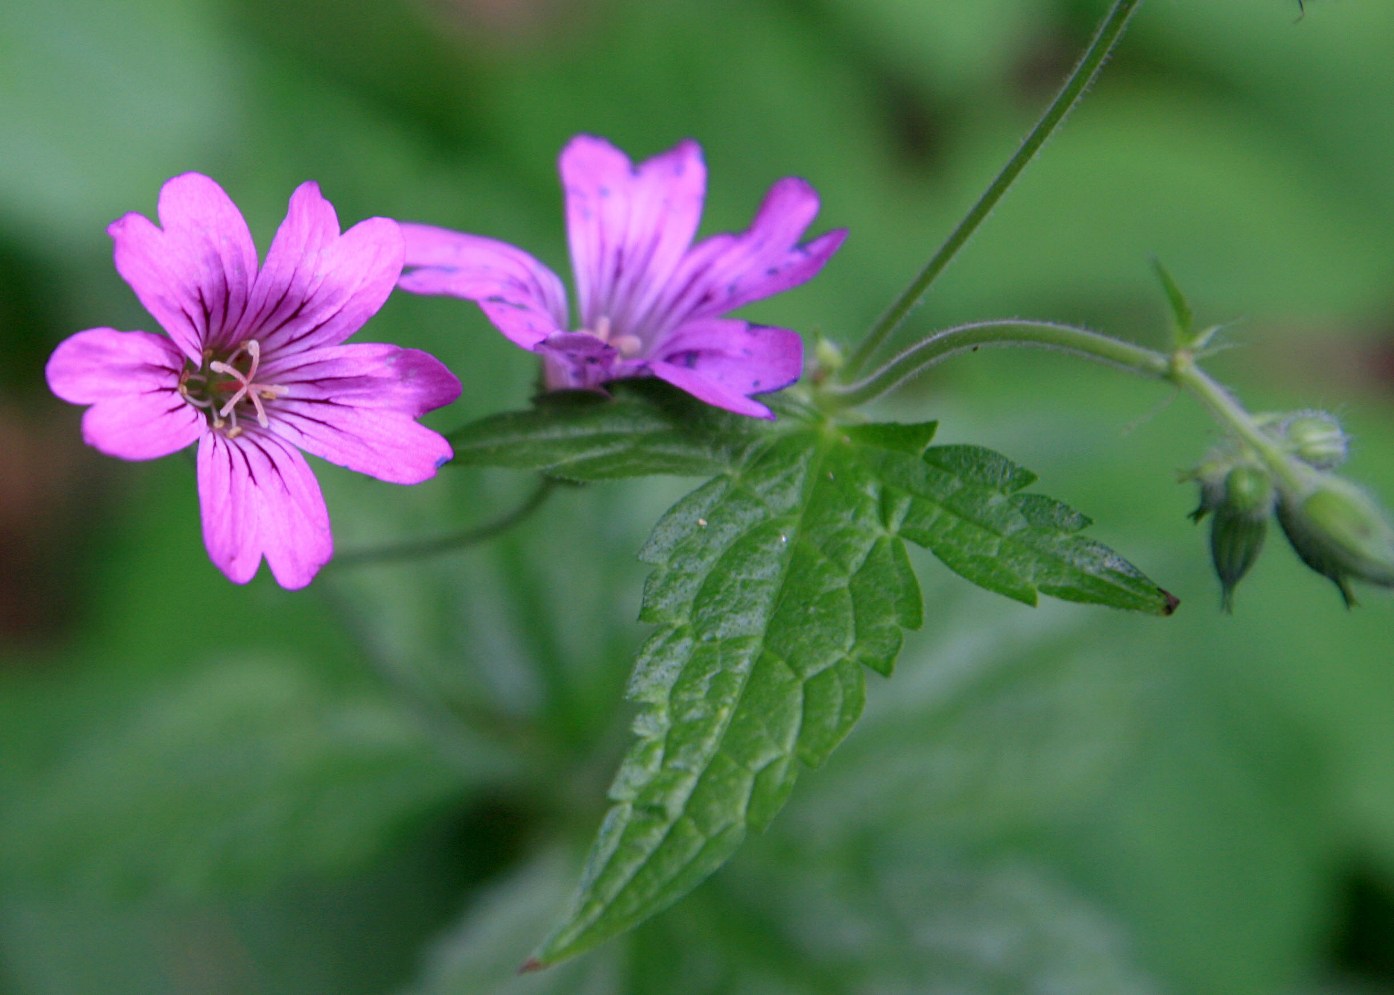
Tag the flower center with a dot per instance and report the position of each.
(626, 345)
(223, 386)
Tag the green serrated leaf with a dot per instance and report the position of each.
(773, 584)
(980, 467)
(645, 429)
(960, 502)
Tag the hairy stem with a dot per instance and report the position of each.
(1179, 368)
(1229, 412)
(942, 345)
(1109, 32)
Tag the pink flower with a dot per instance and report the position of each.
(651, 303)
(254, 369)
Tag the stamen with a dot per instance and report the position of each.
(198, 380)
(628, 345)
(260, 410)
(242, 385)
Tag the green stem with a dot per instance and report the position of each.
(969, 338)
(1110, 31)
(446, 543)
(1192, 379)
(1179, 368)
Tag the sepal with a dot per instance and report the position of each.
(1184, 334)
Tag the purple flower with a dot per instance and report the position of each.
(651, 303)
(254, 370)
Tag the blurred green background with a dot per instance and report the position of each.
(386, 783)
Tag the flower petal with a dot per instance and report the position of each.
(195, 274)
(524, 299)
(355, 405)
(709, 391)
(367, 374)
(258, 498)
(753, 359)
(131, 379)
(724, 272)
(319, 287)
(628, 227)
(720, 359)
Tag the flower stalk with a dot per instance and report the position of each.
(1221, 404)
(1178, 368)
(942, 345)
(435, 545)
(1091, 62)
(1337, 530)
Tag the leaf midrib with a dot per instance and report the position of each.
(810, 479)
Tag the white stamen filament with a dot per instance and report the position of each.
(627, 345)
(199, 382)
(247, 388)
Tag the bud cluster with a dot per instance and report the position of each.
(1334, 526)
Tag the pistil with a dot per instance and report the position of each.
(201, 388)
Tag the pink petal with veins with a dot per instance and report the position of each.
(131, 379)
(259, 499)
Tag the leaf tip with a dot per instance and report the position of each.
(1170, 602)
(531, 965)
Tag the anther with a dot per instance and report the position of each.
(628, 345)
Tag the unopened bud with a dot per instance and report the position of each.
(1249, 492)
(1239, 527)
(1317, 439)
(1341, 533)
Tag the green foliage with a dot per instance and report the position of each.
(223, 780)
(993, 925)
(962, 503)
(774, 583)
(1071, 794)
(581, 436)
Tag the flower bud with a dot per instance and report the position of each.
(1340, 532)
(1316, 438)
(1240, 524)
